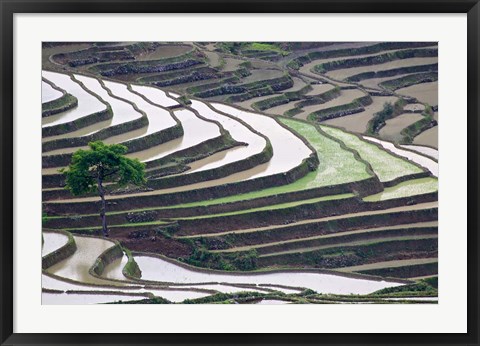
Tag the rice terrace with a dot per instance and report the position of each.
(240, 172)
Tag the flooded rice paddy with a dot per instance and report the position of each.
(158, 118)
(421, 160)
(77, 266)
(49, 93)
(195, 130)
(431, 152)
(358, 122)
(318, 89)
(87, 103)
(156, 96)
(386, 166)
(428, 137)
(346, 96)
(157, 269)
(238, 131)
(289, 150)
(122, 111)
(53, 241)
(424, 92)
(393, 127)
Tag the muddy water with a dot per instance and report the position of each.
(158, 118)
(393, 127)
(262, 74)
(358, 122)
(373, 83)
(52, 242)
(307, 68)
(76, 267)
(157, 269)
(85, 131)
(122, 111)
(421, 160)
(318, 89)
(345, 97)
(87, 104)
(288, 150)
(196, 130)
(48, 93)
(348, 72)
(155, 95)
(297, 85)
(238, 131)
(248, 103)
(280, 110)
(114, 269)
(424, 92)
(431, 152)
(428, 138)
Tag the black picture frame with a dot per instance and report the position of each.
(9, 7)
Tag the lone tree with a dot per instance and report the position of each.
(102, 163)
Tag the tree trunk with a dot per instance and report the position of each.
(101, 193)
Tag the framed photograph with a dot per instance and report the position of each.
(239, 172)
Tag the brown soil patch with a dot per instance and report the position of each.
(149, 242)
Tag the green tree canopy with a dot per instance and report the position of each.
(90, 169)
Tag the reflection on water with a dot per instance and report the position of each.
(155, 95)
(195, 131)
(87, 103)
(158, 118)
(288, 150)
(238, 131)
(122, 111)
(49, 93)
(157, 269)
(52, 242)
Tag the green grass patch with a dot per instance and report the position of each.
(385, 165)
(405, 189)
(260, 46)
